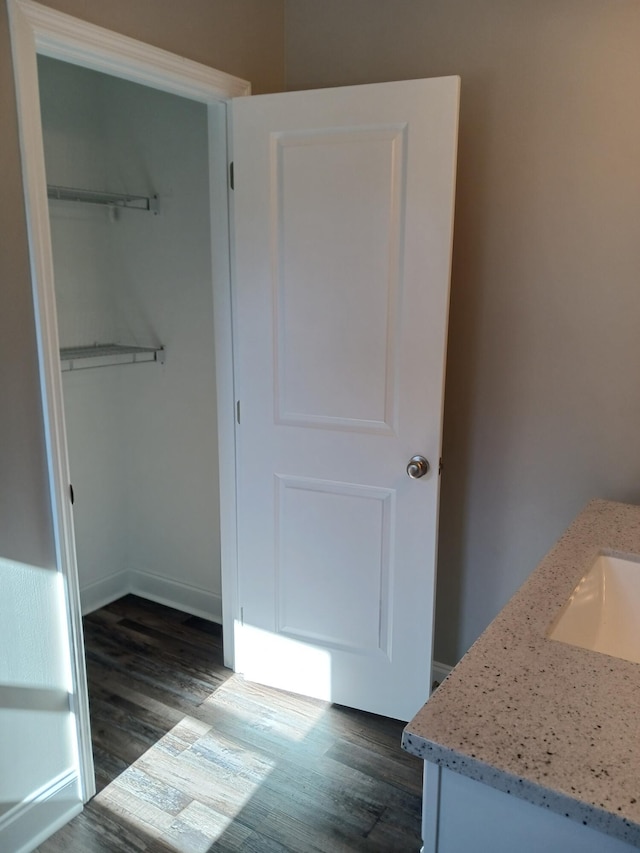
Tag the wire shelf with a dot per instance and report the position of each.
(107, 355)
(121, 200)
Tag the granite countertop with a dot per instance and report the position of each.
(554, 724)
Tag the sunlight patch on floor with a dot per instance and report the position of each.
(188, 788)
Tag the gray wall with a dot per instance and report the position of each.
(542, 406)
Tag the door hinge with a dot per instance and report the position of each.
(231, 180)
(71, 494)
(440, 466)
(238, 411)
(242, 615)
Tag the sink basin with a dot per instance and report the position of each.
(603, 612)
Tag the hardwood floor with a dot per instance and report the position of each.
(191, 758)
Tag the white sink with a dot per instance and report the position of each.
(603, 612)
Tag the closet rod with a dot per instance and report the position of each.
(131, 202)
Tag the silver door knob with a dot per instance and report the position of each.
(417, 467)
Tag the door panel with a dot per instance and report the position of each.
(353, 387)
(354, 523)
(343, 221)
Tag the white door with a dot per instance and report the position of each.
(343, 227)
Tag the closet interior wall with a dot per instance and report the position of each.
(142, 438)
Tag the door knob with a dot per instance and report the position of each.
(417, 467)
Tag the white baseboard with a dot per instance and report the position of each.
(103, 592)
(32, 821)
(182, 596)
(439, 671)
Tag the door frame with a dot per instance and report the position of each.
(37, 29)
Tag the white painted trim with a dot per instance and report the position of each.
(102, 592)
(35, 819)
(181, 596)
(439, 671)
(73, 40)
(224, 335)
(35, 28)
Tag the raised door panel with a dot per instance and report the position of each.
(336, 357)
(355, 524)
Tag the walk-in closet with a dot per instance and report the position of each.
(127, 175)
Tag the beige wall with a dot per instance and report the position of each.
(543, 388)
(242, 37)
(543, 403)
(25, 529)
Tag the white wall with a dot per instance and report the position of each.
(35, 686)
(158, 143)
(75, 129)
(142, 439)
(542, 404)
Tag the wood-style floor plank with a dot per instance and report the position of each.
(190, 758)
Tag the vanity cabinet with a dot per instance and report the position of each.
(531, 744)
(461, 814)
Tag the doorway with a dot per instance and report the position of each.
(38, 31)
(135, 323)
(129, 217)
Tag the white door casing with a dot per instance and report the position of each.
(38, 29)
(343, 230)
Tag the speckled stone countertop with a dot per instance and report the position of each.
(554, 724)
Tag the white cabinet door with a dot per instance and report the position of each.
(343, 226)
